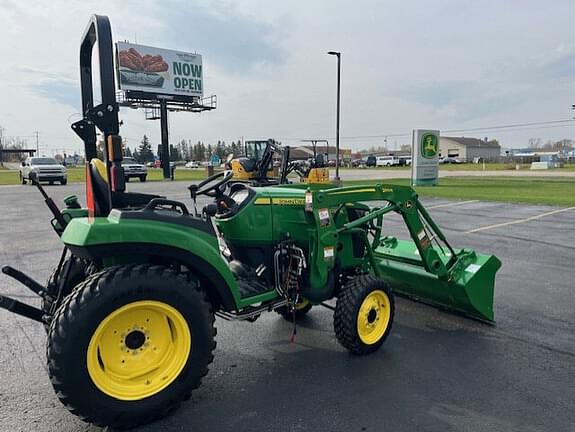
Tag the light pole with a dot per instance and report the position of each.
(338, 54)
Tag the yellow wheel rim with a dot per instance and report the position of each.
(302, 304)
(373, 317)
(138, 350)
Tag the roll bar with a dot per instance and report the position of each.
(105, 115)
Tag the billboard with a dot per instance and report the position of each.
(425, 157)
(159, 71)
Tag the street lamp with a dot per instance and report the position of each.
(338, 54)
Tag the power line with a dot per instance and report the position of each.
(550, 122)
(516, 126)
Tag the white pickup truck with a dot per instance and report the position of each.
(46, 170)
(387, 161)
(134, 169)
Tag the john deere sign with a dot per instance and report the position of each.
(429, 146)
(425, 152)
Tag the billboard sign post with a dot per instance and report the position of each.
(425, 157)
(159, 71)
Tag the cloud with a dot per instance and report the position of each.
(562, 67)
(494, 90)
(64, 92)
(235, 41)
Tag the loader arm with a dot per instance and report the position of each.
(427, 268)
(402, 200)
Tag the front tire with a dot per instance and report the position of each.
(64, 181)
(143, 178)
(364, 314)
(22, 179)
(130, 344)
(300, 309)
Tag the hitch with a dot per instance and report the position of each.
(16, 306)
(23, 309)
(25, 280)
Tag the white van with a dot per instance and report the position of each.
(386, 161)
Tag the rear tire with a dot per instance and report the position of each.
(79, 270)
(364, 314)
(120, 349)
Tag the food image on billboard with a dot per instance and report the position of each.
(159, 71)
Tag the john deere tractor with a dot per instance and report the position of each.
(131, 306)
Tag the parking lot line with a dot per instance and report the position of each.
(518, 221)
(452, 204)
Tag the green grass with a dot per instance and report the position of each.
(471, 167)
(76, 175)
(8, 177)
(532, 190)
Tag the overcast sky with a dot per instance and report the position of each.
(450, 64)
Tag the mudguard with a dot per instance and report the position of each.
(117, 239)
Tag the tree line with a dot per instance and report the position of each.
(184, 150)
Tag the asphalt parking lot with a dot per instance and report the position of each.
(437, 372)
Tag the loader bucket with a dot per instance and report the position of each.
(467, 290)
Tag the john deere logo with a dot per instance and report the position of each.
(429, 146)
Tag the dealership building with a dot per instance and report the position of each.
(469, 149)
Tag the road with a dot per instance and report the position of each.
(392, 173)
(437, 372)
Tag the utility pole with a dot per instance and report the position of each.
(338, 55)
(1, 147)
(37, 133)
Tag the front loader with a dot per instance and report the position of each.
(131, 306)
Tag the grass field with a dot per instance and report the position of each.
(76, 175)
(532, 190)
(474, 167)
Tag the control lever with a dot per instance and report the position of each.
(49, 201)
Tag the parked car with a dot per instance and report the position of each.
(45, 168)
(371, 161)
(359, 163)
(451, 160)
(133, 169)
(405, 161)
(192, 164)
(387, 161)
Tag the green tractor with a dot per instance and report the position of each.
(130, 308)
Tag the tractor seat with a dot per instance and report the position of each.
(100, 189)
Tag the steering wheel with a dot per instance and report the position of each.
(212, 186)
